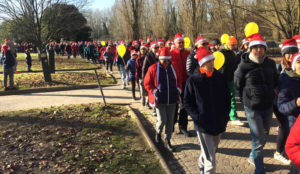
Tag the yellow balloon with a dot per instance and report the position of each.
(187, 42)
(121, 50)
(219, 59)
(103, 43)
(224, 38)
(250, 29)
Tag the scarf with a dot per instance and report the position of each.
(207, 73)
(256, 60)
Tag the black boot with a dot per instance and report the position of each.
(168, 145)
(157, 138)
(185, 132)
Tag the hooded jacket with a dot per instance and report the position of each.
(255, 83)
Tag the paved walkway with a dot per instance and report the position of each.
(233, 150)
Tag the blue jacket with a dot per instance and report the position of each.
(131, 68)
(207, 101)
(7, 61)
(289, 91)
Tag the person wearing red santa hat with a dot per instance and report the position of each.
(255, 81)
(8, 62)
(243, 49)
(207, 101)
(179, 59)
(292, 147)
(161, 43)
(289, 99)
(169, 43)
(131, 68)
(150, 58)
(164, 87)
(297, 38)
(191, 62)
(139, 68)
(288, 49)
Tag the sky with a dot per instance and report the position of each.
(101, 4)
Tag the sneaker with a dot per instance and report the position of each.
(281, 158)
(157, 138)
(185, 132)
(154, 113)
(251, 161)
(201, 169)
(237, 123)
(169, 146)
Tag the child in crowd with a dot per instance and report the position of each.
(131, 68)
(28, 60)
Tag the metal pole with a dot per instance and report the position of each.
(100, 87)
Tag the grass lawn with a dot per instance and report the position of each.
(61, 62)
(73, 139)
(36, 80)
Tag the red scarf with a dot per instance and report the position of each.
(4, 48)
(208, 74)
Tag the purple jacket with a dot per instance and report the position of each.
(139, 67)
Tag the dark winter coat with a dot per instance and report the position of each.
(131, 68)
(28, 59)
(288, 94)
(229, 66)
(109, 57)
(255, 83)
(191, 63)
(150, 59)
(7, 61)
(120, 61)
(207, 101)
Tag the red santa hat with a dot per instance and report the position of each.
(153, 44)
(164, 54)
(289, 46)
(135, 42)
(211, 46)
(169, 41)
(294, 59)
(160, 41)
(245, 41)
(200, 39)
(178, 36)
(256, 39)
(133, 52)
(6, 40)
(203, 55)
(297, 38)
(144, 46)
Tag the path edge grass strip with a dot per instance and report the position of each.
(148, 140)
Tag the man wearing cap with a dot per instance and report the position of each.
(228, 71)
(179, 57)
(191, 62)
(207, 101)
(255, 80)
(164, 87)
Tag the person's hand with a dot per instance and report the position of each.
(298, 102)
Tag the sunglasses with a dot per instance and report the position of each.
(166, 61)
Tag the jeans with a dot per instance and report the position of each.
(8, 72)
(124, 75)
(165, 116)
(259, 123)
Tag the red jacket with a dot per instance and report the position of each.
(292, 146)
(151, 79)
(179, 63)
(74, 48)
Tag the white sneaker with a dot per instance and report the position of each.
(251, 161)
(281, 158)
(237, 123)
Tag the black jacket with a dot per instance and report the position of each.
(150, 59)
(255, 83)
(229, 66)
(120, 61)
(207, 101)
(191, 63)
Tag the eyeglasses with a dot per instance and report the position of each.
(180, 42)
(156, 48)
(205, 44)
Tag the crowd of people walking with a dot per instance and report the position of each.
(177, 83)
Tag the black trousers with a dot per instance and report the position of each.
(183, 115)
(133, 87)
(109, 64)
(283, 131)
